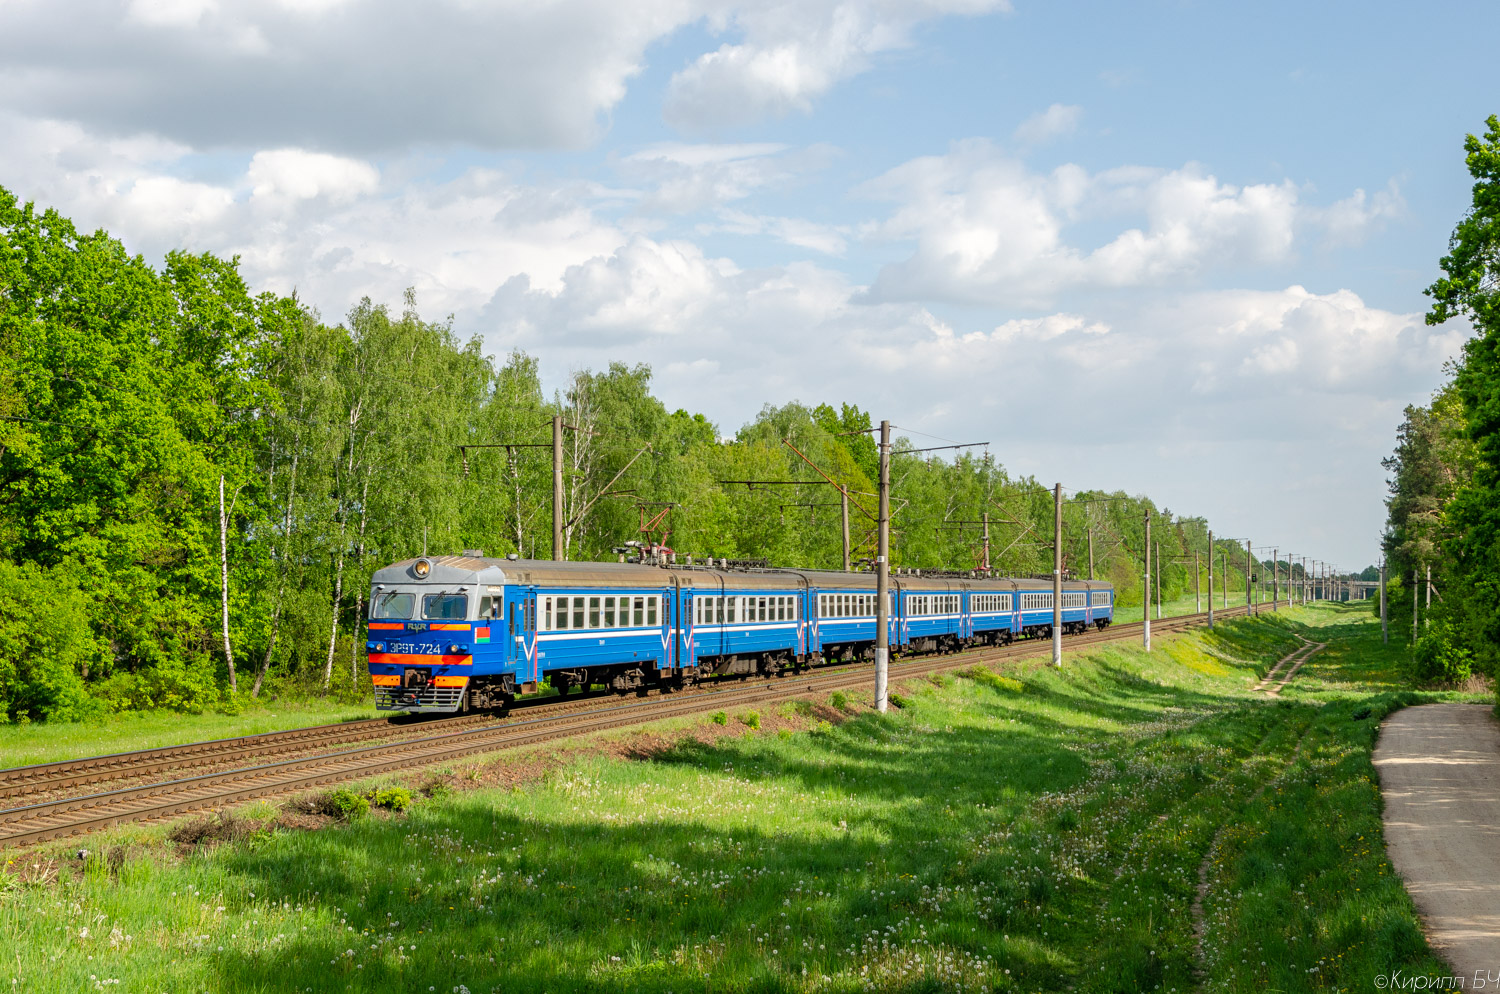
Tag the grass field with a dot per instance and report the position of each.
(1025, 830)
(21, 745)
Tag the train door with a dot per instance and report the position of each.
(682, 627)
(524, 622)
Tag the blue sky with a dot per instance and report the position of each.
(1172, 248)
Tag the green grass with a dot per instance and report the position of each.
(21, 745)
(1178, 606)
(1043, 830)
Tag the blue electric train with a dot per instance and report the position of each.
(454, 633)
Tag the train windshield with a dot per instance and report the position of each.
(394, 605)
(445, 607)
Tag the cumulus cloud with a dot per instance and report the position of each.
(1350, 220)
(792, 53)
(987, 229)
(355, 76)
(1054, 122)
(382, 76)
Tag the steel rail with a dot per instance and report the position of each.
(68, 816)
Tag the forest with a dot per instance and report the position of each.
(197, 480)
(1442, 538)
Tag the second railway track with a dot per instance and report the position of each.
(443, 740)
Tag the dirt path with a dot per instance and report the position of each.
(1439, 768)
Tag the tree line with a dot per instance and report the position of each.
(1442, 537)
(197, 480)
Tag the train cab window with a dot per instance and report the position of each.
(490, 607)
(394, 605)
(445, 607)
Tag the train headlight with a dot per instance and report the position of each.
(456, 650)
(422, 568)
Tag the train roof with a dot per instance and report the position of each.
(471, 570)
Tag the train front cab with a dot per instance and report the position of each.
(433, 639)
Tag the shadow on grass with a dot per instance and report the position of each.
(682, 873)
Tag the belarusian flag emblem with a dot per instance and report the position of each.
(481, 635)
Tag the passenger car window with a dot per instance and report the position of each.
(445, 607)
(394, 605)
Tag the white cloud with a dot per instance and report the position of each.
(364, 76)
(1350, 220)
(299, 175)
(1052, 123)
(793, 53)
(356, 76)
(683, 178)
(827, 239)
(987, 229)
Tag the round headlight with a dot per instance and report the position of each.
(422, 568)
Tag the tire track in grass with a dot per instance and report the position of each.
(1200, 921)
(1142, 817)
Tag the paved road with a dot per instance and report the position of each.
(1439, 768)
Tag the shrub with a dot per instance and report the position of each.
(897, 701)
(1441, 658)
(839, 700)
(752, 720)
(794, 709)
(391, 798)
(341, 803)
(719, 718)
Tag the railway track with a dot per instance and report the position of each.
(444, 740)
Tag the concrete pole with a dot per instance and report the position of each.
(844, 520)
(883, 573)
(1146, 588)
(1249, 577)
(1385, 632)
(1224, 587)
(1057, 575)
(1416, 585)
(1091, 551)
(1210, 580)
(1197, 578)
(557, 488)
(1275, 577)
(986, 541)
(1158, 579)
